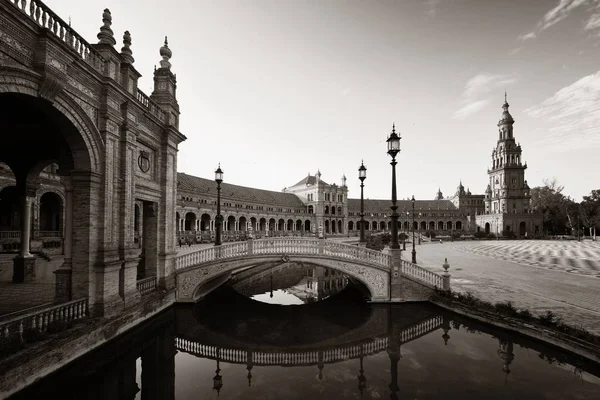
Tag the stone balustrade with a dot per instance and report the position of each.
(47, 234)
(152, 107)
(341, 250)
(39, 319)
(265, 358)
(422, 275)
(146, 285)
(304, 358)
(10, 235)
(41, 14)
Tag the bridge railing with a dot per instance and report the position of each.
(286, 245)
(264, 358)
(422, 274)
(44, 17)
(348, 251)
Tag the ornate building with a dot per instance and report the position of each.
(507, 197)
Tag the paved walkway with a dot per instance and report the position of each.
(558, 276)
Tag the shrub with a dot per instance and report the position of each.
(480, 235)
(456, 235)
(506, 308)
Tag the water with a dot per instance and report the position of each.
(230, 346)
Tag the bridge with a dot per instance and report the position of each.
(386, 275)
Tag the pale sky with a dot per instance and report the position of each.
(276, 89)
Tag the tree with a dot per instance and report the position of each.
(590, 211)
(555, 207)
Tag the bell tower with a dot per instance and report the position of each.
(507, 191)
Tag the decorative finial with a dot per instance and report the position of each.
(166, 54)
(505, 96)
(69, 20)
(126, 50)
(393, 127)
(106, 35)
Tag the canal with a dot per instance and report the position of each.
(304, 332)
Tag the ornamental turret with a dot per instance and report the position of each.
(165, 86)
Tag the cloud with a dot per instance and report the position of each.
(527, 36)
(573, 114)
(561, 11)
(477, 90)
(432, 7)
(514, 51)
(593, 22)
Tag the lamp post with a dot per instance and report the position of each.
(393, 142)
(414, 251)
(362, 175)
(219, 218)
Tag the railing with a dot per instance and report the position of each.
(287, 245)
(41, 14)
(49, 234)
(421, 274)
(146, 285)
(151, 105)
(305, 358)
(265, 358)
(363, 254)
(40, 319)
(10, 235)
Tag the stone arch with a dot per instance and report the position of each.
(230, 223)
(205, 222)
(243, 224)
(340, 226)
(290, 225)
(299, 225)
(272, 224)
(382, 225)
(487, 227)
(262, 224)
(522, 228)
(449, 225)
(350, 225)
(374, 225)
(374, 279)
(326, 226)
(440, 225)
(458, 225)
(51, 212)
(307, 225)
(431, 225)
(423, 225)
(280, 224)
(190, 221)
(85, 141)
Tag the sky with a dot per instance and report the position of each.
(276, 89)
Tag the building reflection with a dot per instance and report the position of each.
(306, 282)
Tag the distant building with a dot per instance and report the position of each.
(507, 197)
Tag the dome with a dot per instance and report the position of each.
(165, 52)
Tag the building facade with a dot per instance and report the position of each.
(508, 208)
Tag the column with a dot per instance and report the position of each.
(63, 273)
(24, 263)
(150, 239)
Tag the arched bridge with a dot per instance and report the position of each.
(383, 275)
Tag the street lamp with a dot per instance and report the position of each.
(362, 175)
(219, 218)
(414, 251)
(393, 142)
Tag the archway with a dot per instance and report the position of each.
(50, 212)
(280, 224)
(190, 222)
(243, 225)
(177, 221)
(326, 226)
(487, 227)
(205, 222)
(40, 133)
(340, 227)
(299, 225)
(374, 226)
(522, 228)
(423, 225)
(350, 225)
(307, 225)
(272, 224)
(382, 225)
(431, 226)
(458, 225)
(290, 225)
(440, 225)
(449, 225)
(231, 223)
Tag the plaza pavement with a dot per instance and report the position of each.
(558, 276)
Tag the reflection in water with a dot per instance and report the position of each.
(289, 283)
(231, 347)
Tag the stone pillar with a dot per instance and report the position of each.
(150, 239)
(24, 263)
(250, 247)
(396, 275)
(127, 382)
(63, 273)
(446, 276)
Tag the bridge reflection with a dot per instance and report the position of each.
(142, 363)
